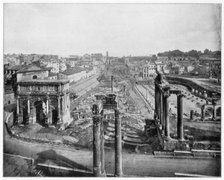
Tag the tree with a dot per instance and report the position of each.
(207, 52)
(154, 58)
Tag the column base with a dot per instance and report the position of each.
(167, 138)
(118, 174)
(181, 140)
(96, 172)
(103, 174)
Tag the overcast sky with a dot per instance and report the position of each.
(121, 29)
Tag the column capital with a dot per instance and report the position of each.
(166, 93)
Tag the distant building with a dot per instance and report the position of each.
(31, 72)
(53, 76)
(149, 70)
(74, 74)
(9, 96)
(159, 66)
(163, 58)
(11, 59)
(214, 65)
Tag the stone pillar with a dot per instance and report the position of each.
(17, 105)
(49, 119)
(96, 142)
(203, 113)
(156, 100)
(161, 115)
(30, 119)
(102, 146)
(47, 104)
(16, 119)
(191, 115)
(28, 106)
(112, 84)
(59, 110)
(180, 128)
(118, 145)
(166, 116)
(214, 113)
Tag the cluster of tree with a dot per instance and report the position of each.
(192, 53)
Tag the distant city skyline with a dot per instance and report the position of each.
(120, 29)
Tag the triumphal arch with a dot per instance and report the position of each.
(40, 100)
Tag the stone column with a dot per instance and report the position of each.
(112, 83)
(17, 105)
(16, 120)
(161, 111)
(202, 113)
(47, 104)
(180, 128)
(191, 115)
(214, 113)
(156, 100)
(59, 109)
(28, 105)
(47, 111)
(166, 116)
(118, 145)
(29, 111)
(96, 142)
(102, 145)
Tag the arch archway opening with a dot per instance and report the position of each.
(41, 117)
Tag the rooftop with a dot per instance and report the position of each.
(44, 81)
(73, 70)
(31, 68)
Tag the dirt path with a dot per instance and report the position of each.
(133, 164)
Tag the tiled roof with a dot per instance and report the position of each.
(73, 71)
(17, 67)
(31, 68)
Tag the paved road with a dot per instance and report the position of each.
(84, 85)
(133, 164)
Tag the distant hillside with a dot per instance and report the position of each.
(192, 53)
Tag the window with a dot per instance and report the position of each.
(8, 102)
(35, 77)
(51, 88)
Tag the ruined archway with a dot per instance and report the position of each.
(208, 111)
(54, 116)
(40, 114)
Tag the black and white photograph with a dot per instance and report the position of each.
(111, 89)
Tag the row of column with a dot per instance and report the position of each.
(98, 144)
(162, 113)
(214, 113)
(204, 93)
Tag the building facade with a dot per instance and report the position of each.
(149, 70)
(40, 100)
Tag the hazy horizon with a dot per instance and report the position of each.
(120, 29)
